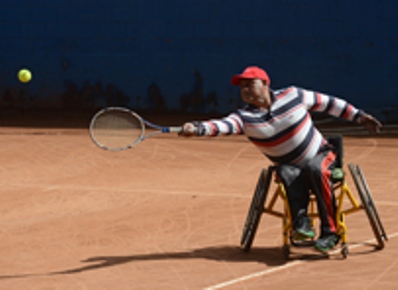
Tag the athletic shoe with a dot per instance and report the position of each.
(303, 229)
(327, 242)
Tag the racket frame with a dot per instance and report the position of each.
(142, 122)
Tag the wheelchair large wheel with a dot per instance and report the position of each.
(368, 205)
(372, 205)
(256, 209)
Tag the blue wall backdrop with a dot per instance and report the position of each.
(175, 55)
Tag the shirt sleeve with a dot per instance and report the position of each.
(232, 124)
(336, 107)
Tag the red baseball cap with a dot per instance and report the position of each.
(251, 72)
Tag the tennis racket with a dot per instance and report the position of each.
(118, 128)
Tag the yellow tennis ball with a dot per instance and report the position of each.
(24, 75)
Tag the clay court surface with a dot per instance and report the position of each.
(168, 214)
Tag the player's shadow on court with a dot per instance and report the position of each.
(269, 256)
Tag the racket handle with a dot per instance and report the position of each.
(172, 130)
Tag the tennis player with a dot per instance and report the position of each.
(279, 123)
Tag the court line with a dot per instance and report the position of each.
(146, 191)
(142, 191)
(289, 265)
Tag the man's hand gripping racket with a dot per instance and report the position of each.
(117, 128)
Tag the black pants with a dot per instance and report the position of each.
(316, 177)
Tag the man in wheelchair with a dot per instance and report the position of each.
(279, 123)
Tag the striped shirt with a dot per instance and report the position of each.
(285, 133)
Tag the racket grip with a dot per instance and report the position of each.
(172, 130)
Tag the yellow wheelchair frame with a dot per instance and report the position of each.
(342, 193)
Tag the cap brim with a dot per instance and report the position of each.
(235, 80)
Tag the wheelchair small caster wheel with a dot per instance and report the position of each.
(344, 251)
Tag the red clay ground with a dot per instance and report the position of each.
(168, 214)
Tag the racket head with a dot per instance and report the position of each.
(116, 128)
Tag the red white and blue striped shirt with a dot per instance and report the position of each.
(285, 133)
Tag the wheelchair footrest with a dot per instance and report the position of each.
(304, 243)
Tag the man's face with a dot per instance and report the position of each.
(253, 91)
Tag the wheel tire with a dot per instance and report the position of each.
(372, 205)
(256, 209)
(368, 206)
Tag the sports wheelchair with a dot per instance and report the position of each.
(342, 192)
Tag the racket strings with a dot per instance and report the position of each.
(116, 130)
